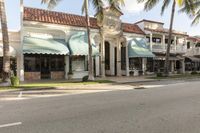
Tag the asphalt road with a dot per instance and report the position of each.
(174, 108)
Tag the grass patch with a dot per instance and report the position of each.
(54, 84)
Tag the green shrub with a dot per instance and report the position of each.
(14, 81)
(194, 73)
(131, 73)
(85, 78)
(159, 74)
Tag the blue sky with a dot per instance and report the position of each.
(132, 13)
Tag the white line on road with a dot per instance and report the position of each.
(10, 124)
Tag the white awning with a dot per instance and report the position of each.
(12, 51)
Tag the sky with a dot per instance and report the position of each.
(133, 12)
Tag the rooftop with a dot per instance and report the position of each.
(53, 17)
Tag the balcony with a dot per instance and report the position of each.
(159, 47)
(194, 51)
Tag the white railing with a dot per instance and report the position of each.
(159, 47)
(193, 51)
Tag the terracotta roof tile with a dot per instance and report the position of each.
(45, 16)
(132, 27)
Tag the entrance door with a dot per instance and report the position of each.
(45, 67)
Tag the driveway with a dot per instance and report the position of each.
(171, 108)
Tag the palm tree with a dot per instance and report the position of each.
(6, 56)
(98, 6)
(149, 4)
(194, 12)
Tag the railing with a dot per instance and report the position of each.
(193, 51)
(159, 47)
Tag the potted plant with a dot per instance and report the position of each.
(131, 73)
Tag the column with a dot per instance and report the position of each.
(20, 65)
(172, 66)
(102, 56)
(118, 57)
(144, 65)
(163, 42)
(175, 44)
(183, 66)
(112, 60)
(127, 61)
(66, 66)
(97, 65)
(151, 42)
(20, 56)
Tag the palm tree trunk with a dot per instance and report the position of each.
(169, 40)
(90, 63)
(6, 56)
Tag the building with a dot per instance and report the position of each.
(52, 45)
(192, 56)
(157, 38)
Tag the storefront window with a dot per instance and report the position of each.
(79, 63)
(31, 63)
(57, 63)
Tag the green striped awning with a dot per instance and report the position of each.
(137, 48)
(78, 44)
(34, 45)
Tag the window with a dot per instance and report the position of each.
(31, 63)
(79, 63)
(188, 45)
(156, 40)
(57, 63)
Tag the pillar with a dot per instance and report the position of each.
(97, 65)
(172, 66)
(127, 61)
(20, 65)
(112, 60)
(144, 65)
(151, 42)
(102, 56)
(118, 58)
(66, 66)
(163, 42)
(175, 44)
(183, 66)
(20, 56)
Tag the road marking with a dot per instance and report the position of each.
(10, 124)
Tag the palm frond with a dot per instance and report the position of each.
(196, 18)
(149, 4)
(50, 3)
(165, 5)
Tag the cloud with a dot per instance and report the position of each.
(132, 6)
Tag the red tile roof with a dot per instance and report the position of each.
(194, 39)
(45, 16)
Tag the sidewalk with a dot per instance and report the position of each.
(125, 79)
(19, 94)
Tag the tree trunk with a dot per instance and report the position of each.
(169, 40)
(6, 56)
(90, 63)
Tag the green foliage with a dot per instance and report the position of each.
(14, 81)
(159, 74)
(131, 73)
(194, 73)
(85, 78)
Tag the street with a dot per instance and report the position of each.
(170, 108)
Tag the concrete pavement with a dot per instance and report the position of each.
(171, 108)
